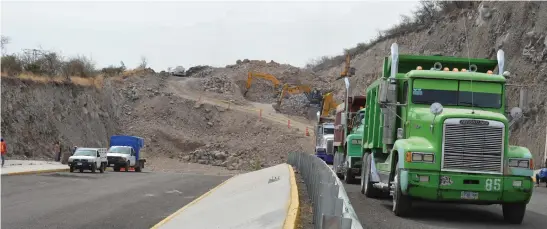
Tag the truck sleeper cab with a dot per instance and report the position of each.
(442, 135)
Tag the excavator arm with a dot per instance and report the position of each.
(328, 104)
(292, 90)
(266, 76)
(348, 70)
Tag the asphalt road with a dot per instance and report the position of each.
(377, 214)
(109, 200)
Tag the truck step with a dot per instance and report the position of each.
(382, 186)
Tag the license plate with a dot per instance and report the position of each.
(111, 164)
(469, 195)
(79, 163)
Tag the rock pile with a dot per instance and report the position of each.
(218, 84)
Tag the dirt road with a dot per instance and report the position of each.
(179, 86)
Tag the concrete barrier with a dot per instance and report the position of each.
(24, 167)
(266, 198)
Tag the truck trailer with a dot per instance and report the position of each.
(436, 129)
(348, 133)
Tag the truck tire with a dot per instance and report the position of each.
(71, 169)
(138, 168)
(513, 213)
(101, 169)
(93, 168)
(127, 166)
(401, 203)
(367, 187)
(116, 168)
(349, 177)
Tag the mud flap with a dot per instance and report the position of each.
(373, 172)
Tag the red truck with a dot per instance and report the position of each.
(347, 137)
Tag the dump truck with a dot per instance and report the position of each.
(348, 131)
(125, 152)
(436, 129)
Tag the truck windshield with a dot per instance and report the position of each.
(457, 93)
(124, 150)
(91, 153)
(328, 131)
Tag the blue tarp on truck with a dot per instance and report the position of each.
(123, 140)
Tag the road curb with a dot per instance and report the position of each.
(170, 217)
(35, 172)
(293, 208)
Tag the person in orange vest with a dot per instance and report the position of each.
(3, 149)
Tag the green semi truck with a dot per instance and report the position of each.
(436, 128)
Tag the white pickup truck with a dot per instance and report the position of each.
(88, 158)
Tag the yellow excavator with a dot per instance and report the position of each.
(348, 70)
(262, 75)
(328, 104)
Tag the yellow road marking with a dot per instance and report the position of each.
(293, 205)
(35, 172)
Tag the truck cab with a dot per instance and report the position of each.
(437, 129)
(324, 147)
(88, 159)
(125, 152)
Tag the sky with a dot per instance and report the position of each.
(189, 33)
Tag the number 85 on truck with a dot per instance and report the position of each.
(437, 129)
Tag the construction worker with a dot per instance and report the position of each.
(3, 150)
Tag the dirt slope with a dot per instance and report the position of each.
(519, 28)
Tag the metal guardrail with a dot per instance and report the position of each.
(330, 202)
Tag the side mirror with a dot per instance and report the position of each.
(516, 114)
(436, 109)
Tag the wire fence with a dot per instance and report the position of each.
(330, 202)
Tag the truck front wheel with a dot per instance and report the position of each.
(401, 202)
(71, 169)
(93, 168)
(513, 213)
(101, 169)
(116, 168)
(367, 187)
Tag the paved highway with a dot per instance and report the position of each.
(376, 213)
(109, 200)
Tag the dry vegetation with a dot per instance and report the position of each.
(427, 13)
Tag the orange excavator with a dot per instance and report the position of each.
(262, 75)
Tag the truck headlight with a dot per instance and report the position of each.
(524, 163)
(420, 157)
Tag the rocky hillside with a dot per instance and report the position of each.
(519, 28)
(36, 114)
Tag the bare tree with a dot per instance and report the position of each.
(3, 42)
(144, 62)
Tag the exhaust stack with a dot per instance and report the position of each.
(394, 60)
(501, 61)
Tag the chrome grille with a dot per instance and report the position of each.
(330, 146)
(477, 148)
